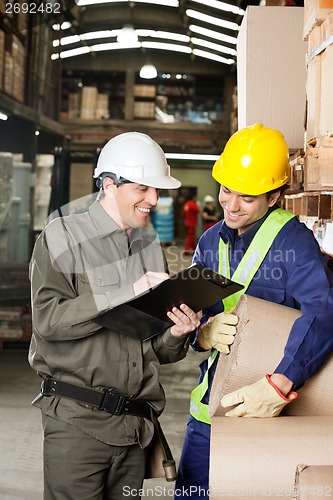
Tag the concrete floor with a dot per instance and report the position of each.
(20, 423)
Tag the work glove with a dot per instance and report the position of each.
(261, 399)
(219, 332)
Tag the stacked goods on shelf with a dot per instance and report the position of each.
(88, 104)
(163, 219)
(102, 107)
(317, 199)
(12, 56)
(44, 164)
(144, 104)
(6, 172)
(15, 310)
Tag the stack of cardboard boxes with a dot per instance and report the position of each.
(315, 176)
(286, 457)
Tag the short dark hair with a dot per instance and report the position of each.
(282, 189)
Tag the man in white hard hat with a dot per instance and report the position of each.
(101, 387)
(209, 212)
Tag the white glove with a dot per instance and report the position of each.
(219, 332)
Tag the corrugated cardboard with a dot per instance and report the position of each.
(262, 333)
(271, 75)
(313, 481)
(314, 14)
(257, 457)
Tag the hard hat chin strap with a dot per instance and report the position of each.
(117, 179)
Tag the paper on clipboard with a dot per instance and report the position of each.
(145, 316)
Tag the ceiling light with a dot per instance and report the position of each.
(148, 71)
(213, 34)
(212, 20)
(213, 46)
(74, 52)
(213, 57)
(167, 46)
(227, 7)
(3, 116)
(127, 35)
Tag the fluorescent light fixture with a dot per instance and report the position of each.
(95, 35)
(67, 40)
(213, 57)
(54, 57)
(74, 52)
(113, 46)
(213, 46)
(227, 7)
(64, 26)
(165, 35)
(211, 20)
(189, 156)
(3, 116)
(148, 71)
(167, 3)
(127, 35)
(167, 46)
(213, 34)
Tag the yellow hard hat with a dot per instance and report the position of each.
(254, 161)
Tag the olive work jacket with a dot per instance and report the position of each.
(83, 265)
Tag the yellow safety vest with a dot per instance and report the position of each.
(243, 275)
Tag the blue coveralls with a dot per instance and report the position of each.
(294, 273)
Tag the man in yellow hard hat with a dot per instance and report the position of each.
(276, 258)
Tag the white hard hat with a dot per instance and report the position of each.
(208, 199)
(137, 158)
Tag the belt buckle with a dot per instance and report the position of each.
(113, 402)
(46, 387)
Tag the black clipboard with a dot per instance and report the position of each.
(145, 316)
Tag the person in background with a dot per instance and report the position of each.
(100, 388)
(209, 212)
(276, 258)
(190, 212)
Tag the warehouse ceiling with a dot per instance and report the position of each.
(185, 35)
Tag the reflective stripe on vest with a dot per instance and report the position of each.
(246, 269)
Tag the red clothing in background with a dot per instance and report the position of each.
(190, 213)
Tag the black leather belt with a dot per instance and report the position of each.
(106, 400)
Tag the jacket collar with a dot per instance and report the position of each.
(229, 235)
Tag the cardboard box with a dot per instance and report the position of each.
(315, 12)
(313, 481)
(144, 91)
(313, 95)
(102, 106)
(88, 103)
(297, 170)
(271, 76)
(74, 105)
(311, 169)
(257, 457)
(144, 110)
(326, 94)
(262, 333)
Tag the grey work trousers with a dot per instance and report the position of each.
(79, 467)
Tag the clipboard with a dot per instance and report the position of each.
(145, 316)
